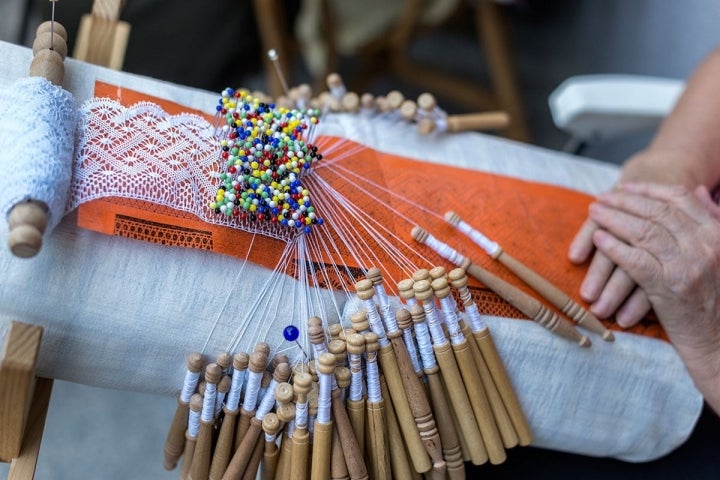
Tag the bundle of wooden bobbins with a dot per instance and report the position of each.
(408, 393)
(424, 112)
(27, 220)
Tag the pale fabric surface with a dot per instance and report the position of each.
(124, 314)
(36, 150)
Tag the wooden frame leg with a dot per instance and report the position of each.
(23, 467)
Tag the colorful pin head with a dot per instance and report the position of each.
(264, 156)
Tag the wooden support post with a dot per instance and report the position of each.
(102, 38)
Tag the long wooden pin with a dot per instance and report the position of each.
(196, 401)
(174, 444)
(541, 285)
(526, 304)
(201, 459)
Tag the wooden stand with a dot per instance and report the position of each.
(102, 38)
(24, 401)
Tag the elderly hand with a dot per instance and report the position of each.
(667, 239)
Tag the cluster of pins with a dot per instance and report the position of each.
(27, 220)
(424, 112)
(405, 394)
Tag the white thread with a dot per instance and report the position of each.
(301, 414)
(447, 309)
(37, 134)
(373, 379)
(189, 385)
(268, 400)
(324, 398)
(356, 375)
(473, 314)
(193, 423)
(444, 250)
(233, 398)
(411, 349)
(219, 398)
(270, 437)
(208, 408)
(252, 390)
(425, 345)
(376, 324)
(389, 319)
(434, 325)
(480, 240)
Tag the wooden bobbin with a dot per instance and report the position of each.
(377, 442)
(526, 304)
(263, 347)
(426, 101)
(545, 288)
(360, 322)
(498, 412)
(483, 339)
(174, 443)
(334, 331)
(405, 289)
(416, 449)
(421, 274)
(224, 360)
(470, 380)
(408, 110)
(351, 451)
(246, 459)
(195, 406)
(48, 64)
(356, 408)
(256, 366)
(302, 383)
(323, 432)
(417, 400)
(200, 467)
(394, 99)
(338, 348)
(367, 102)
(335, 83)
(271, 426)
(338, 466)
(381, 104)
(350, 102)
(457, 395)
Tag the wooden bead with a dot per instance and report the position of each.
(355, 344)
(50, 41)
(364, 289)
(25, 241)
(316, 334)
(423, 290)
(48, 64)
(359, 321)
(426, 101)
(258, 362)
(421, 274)
(284, 392)
(262, 347)
(326, 363)
(213, 372)
(241, 360)
(395, 99)
(54, 27)
(408, 110)
(224, 360)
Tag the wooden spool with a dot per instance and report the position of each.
(174, 444)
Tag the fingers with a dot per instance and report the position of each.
(634, 309)
(652, 201)
(601, 267)
(639, 265)
(582, 245)
(613, 293)
(637, 230)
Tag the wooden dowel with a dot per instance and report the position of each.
(486, 345)
(255, 459)
(175, 441)
(479, 122)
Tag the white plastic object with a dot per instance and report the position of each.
(591, 107)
